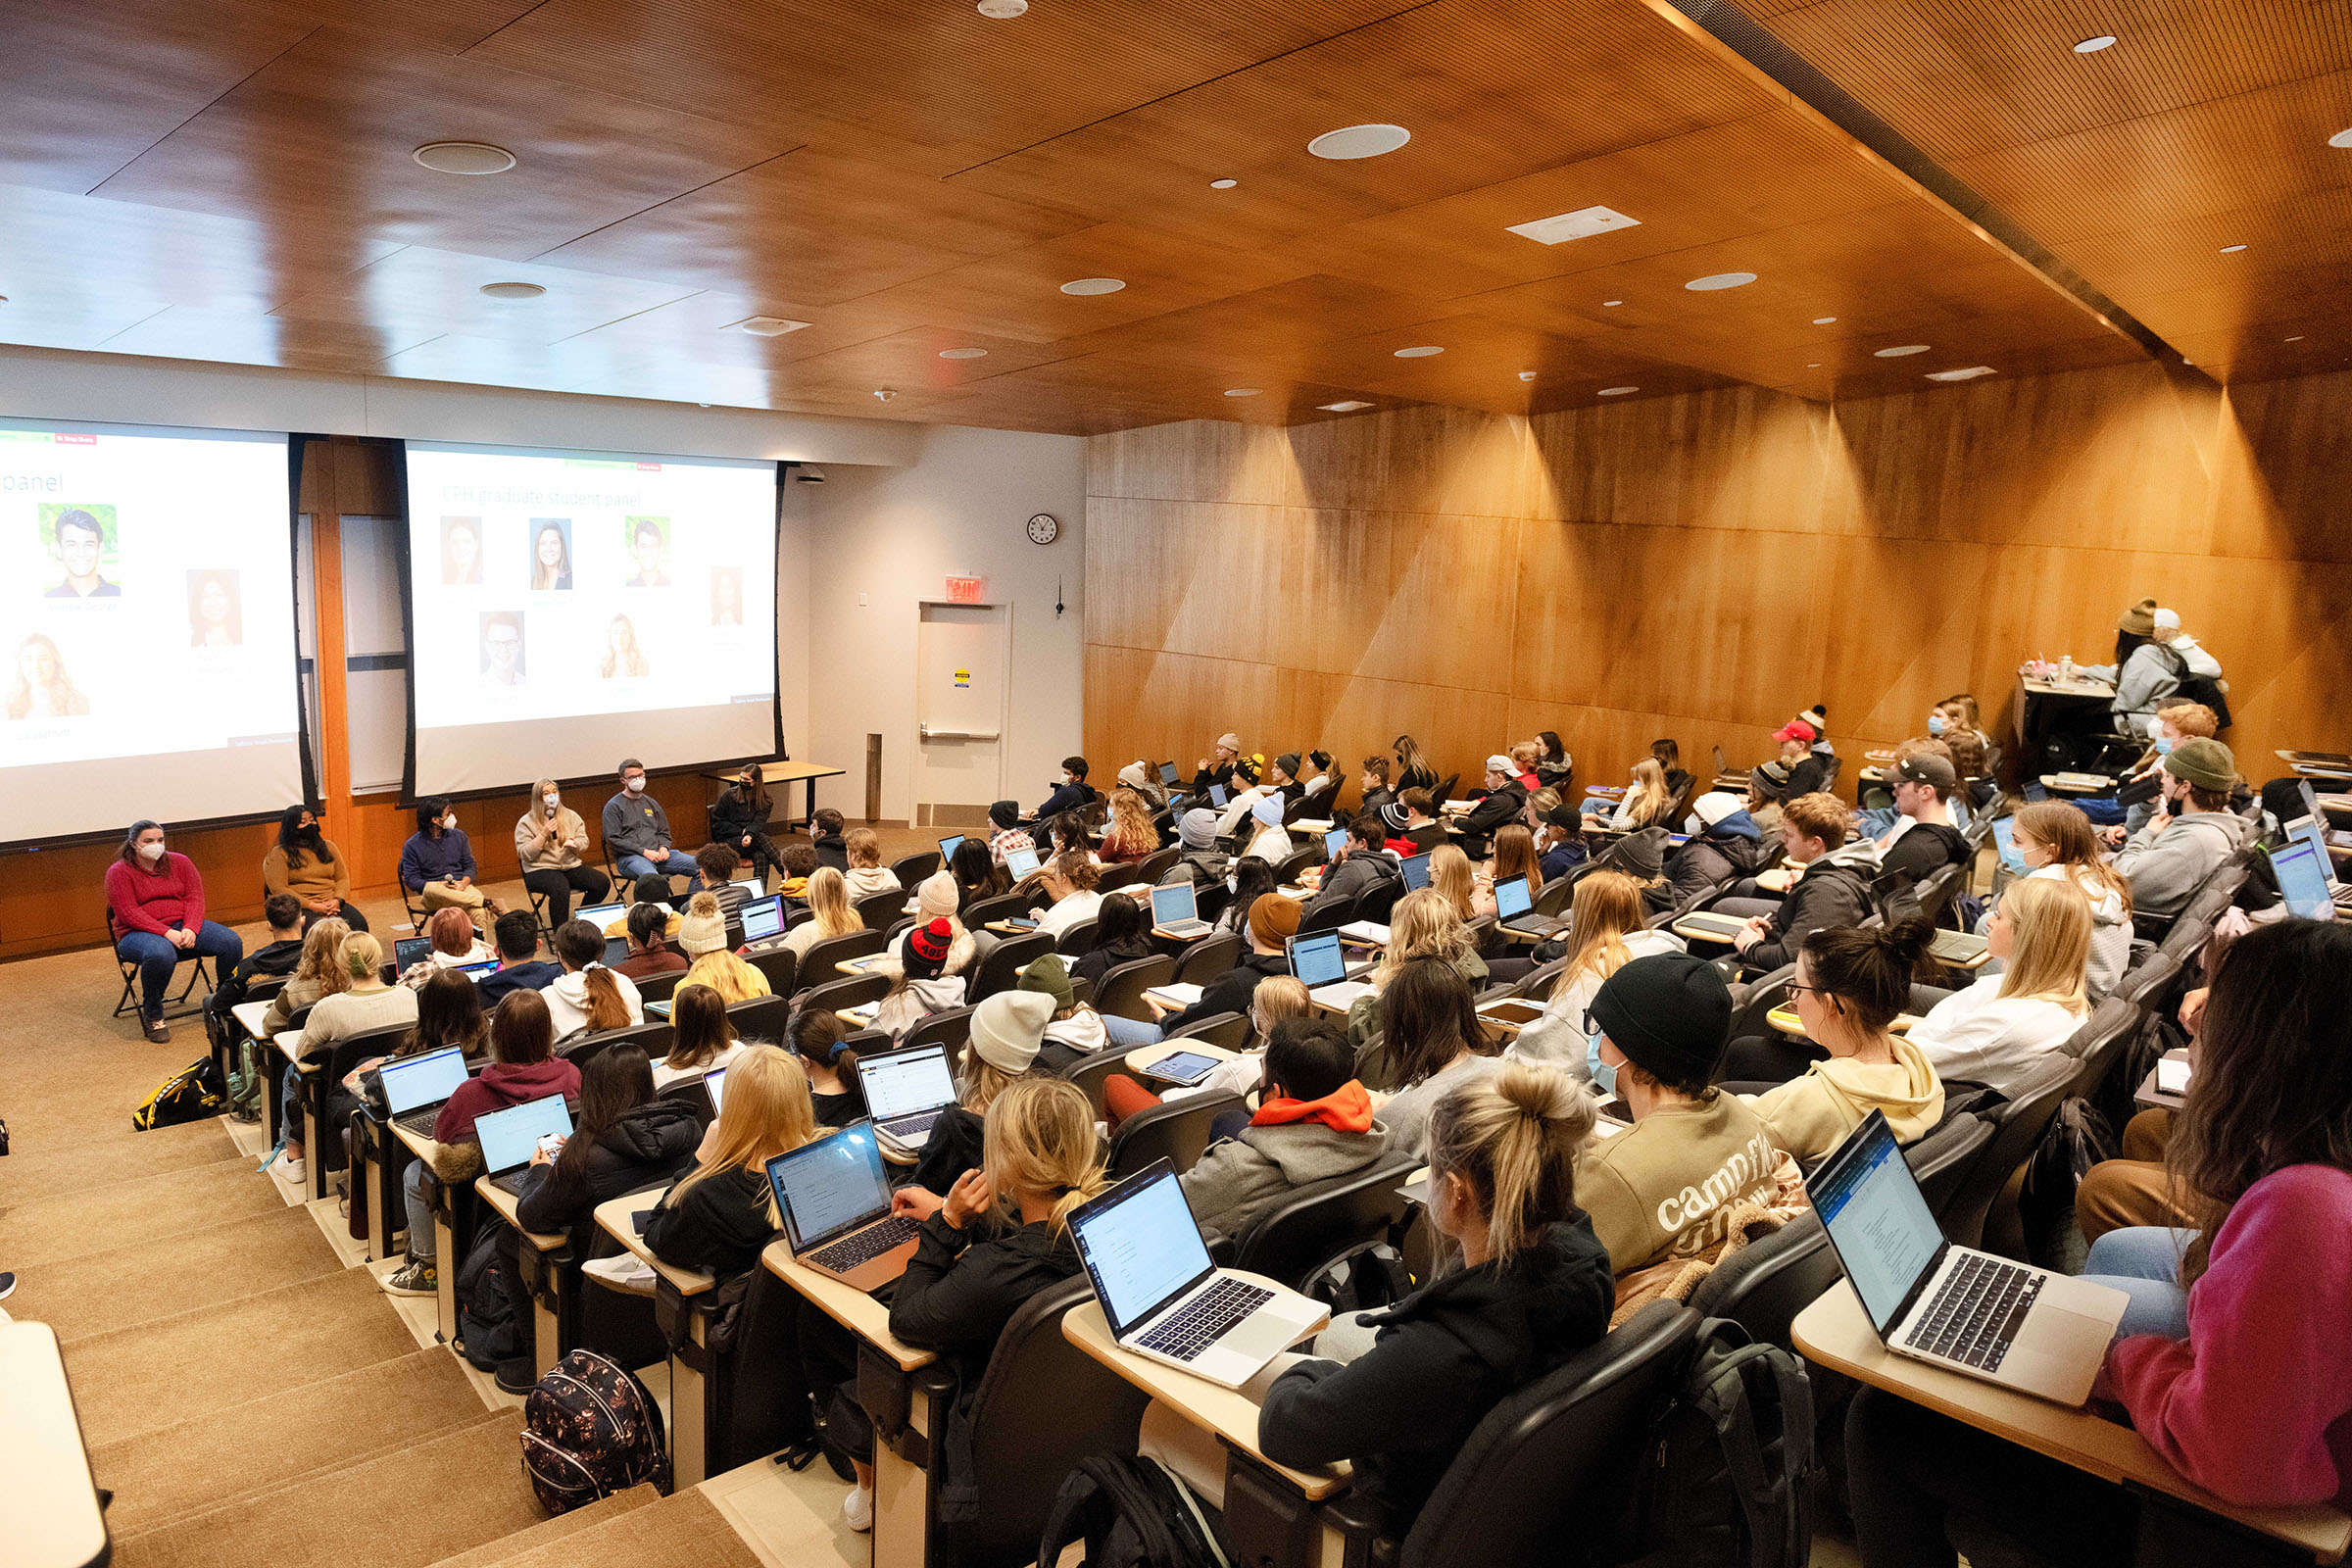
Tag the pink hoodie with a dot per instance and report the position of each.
(2256, 1404)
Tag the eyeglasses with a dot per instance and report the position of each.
(1794, 988)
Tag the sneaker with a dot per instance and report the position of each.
(857, 1509)
(289, 1166)
(157, 1032)
(416, 1277)
(8, 1286)
(517, 1376)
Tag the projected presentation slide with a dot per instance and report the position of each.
(147, 614)
(567, 609)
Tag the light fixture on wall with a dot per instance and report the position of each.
(1345, 405)
(1823, 320)
(1617, 391)
(1901, 349)
(1970, 373)
(1223, 184)
(809, 475)
(1002, 10)
(1420, 351)
(963, 354)
(766, 326)
(1093, 286)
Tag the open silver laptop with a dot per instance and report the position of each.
(1515, 911)
(834, 1196)
(2008, 1323)
(510, 1137)
(1176, 912)
(416, 1088)
(1161, 1295)
(1330, 979)
(905, 1090)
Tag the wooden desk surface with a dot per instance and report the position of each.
(421, 1144)
(614, 1218)
(774, 773)
(46, 1492)
(288, 1043)
(1833, 1332)
(1228, 1412)
(507, 1203)
(846, 1305)
(1143, 1056)
(2083, 686)
(250, 1015)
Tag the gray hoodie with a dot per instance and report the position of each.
(2165, 869)
(1238, 1179)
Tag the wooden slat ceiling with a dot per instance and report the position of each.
(232, 180)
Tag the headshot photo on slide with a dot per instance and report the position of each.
(461, 550)
(648, 542)
(622, 655)
(726, 596)
(502, 646)
(550, 554)
(81, 540)
(215, 610)
(38, 686)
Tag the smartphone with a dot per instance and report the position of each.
(637, 1219)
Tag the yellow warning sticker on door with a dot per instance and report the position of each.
(963, 677)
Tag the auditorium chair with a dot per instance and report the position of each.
(1176, 1131)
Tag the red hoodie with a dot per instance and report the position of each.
(498, 1086)
(1346, 1108)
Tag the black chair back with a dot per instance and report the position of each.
(911, 869)
(694, 1094)
(1077, 940)
(850, 991)
(780, 965)
(1764, 1285)
(1555, 896)
(1121, 990)
(949, 1028)
(1942, 1158)
(1329, 918)
(1321, 1220)
(1377, 901)
(1175, 1131)
(1229, 1030)
(1004, 907)
(1115, 877)
(652, 1037)
(1018, 1461)
(659, 986)
(1002, 969)
(2017, 1126)
(1151, 867)
(1090, 1072)
(1207, 958)
(762, 1017)
(881, 911)
(1527, 1480)
(1287, 874)
(817, 963)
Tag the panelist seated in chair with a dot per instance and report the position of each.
(155, 907)
(437, 865)
(637, 832)
(305, 863)
(549, 840)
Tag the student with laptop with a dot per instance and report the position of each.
(976, 874)
(1005, 833)
(1852, 982)
(817, 1034)
(449, 1018)
(1513, 859)
(451, 945)
(650, 954)
(1831, 886)
(1009, 1029)
(831, 914)
(1269, 841)
(2248, 1396)
(2054, 840)
(1998, 1030)
(1423, 926)
(1399, 1401)
(1608, 928)
(1500, 803)
(367, 1003)
(1360, 867)
(587, 998)
(1277, 996)
(721, 1214)
(1432, 1042)
(700, 1038)
(1071, 879)
(520, 967)
(1669, 1185)
(723, 972)
(1313, 1123)
(2193, 833)
(718, 867)
(1272, 922)
(1131, 835)
(522, 1067)
(1247, 881)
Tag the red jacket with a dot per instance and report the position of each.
(498, 1086)
(2256, 1404)
(155, 902)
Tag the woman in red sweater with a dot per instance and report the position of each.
(2255, 1403)
(155, 912)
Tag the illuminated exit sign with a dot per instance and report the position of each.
(964, 590)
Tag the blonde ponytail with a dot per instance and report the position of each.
(1039, 1139)
(1514, 1136)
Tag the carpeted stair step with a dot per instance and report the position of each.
(547, 1532)
(120, 1289)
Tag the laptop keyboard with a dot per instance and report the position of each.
(1184, 928)
(867, 1245)
(1205, 1321)
(1977, 1313)
(419, 1122)
(907, 1129)
(511, 1181)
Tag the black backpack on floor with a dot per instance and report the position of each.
(1132, 1513)
(487, 1331)
(1731, 1469)
(191, 1094)
(589, 1430)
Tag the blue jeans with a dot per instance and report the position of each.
(2143, 1261)
(633, 866)
(421, 1209)
(1130, 1031)
(157, 958)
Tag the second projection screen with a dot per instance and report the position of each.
(566, 609)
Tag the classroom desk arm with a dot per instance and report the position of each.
(1368, 1538)
(892, 1394)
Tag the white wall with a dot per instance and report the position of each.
(894, 535)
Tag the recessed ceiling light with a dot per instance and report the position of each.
(1423, 351)
(2228, 250)
(963, 354)
(2297, 338)
(1582, 224)
(1002, 10)
(463, 157)
(1823, 320)
(1903, 349)
(883, 394)
(1223, 184)
(1968, 375)
(1345, 406)
(1612, 302)
(1526, 376)
(1243, 391)
(1093, 286)
(1617, 391)
(768, 326)
(2091, 46)
(2342, 139)
(1812, 364)
(1717, 280)
(1359, 141)
(514, 291)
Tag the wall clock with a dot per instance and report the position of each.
(1044, 528)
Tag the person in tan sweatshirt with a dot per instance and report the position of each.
(1851, 983)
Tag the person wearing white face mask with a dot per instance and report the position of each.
(548, 841)
(155, 911)
(437, 865)
(637, 833)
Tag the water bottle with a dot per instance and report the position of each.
(2066, 669)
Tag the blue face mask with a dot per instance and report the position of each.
(1604, 1075)
(1935, 723)
(2164, 746)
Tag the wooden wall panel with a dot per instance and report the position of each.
(1705, 566)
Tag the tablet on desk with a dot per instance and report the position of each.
(1186, 1068)
(1726, 926)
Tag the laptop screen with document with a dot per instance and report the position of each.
(1172, 903)
(906, 1083)
(763, 917)
(1885, 1236)
(1316, 959)
(1141, 1246)
(1416, 871)
(412, 1081)
(2301, 882)
(949, 846)
(829, 1186)
(1511, 900)
(510, 1136)
(2307, 830)
(1020, 863)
